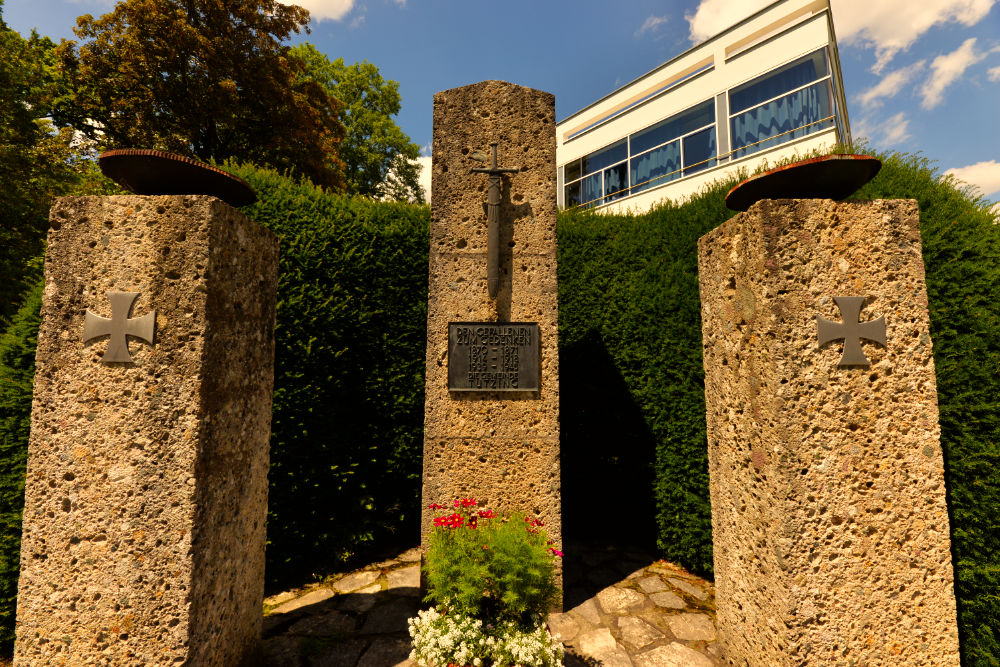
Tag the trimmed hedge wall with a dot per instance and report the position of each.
(17, 372)
(348, 410)
(347, 429)
(628, 293)
(961, 243)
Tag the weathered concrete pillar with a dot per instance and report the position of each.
(499, 445)
(146, 493)
(828, 503)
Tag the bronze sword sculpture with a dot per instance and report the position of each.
(493, 220)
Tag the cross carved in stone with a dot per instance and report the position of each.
(118, 326)
(852, 330)
(493, 219)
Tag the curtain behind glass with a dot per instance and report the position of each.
(782, 115)
(787, 78)
(590, 190)
(658, 166)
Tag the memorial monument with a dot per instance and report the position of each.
(146, 491)
(491, 425)
(829, 522)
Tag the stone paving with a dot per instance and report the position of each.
(624, 610)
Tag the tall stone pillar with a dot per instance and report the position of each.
(828, 502)
(146, 492)
(499, 444)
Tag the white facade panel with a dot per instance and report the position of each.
(767, 41)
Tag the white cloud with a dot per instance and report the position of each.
(948, 68)
(984, 175)
(896, 129)
(891, 26)
(888, 132)
(324, 9)
(994, 74)
(652, 24)
(891, 84)
(713, 16)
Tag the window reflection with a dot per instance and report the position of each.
(784, 104)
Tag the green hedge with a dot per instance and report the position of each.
(347, 430)
(632, 390)
(629, 307)
(348, 409)
(17, 371)
(962, 258)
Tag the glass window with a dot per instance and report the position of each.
(605, 157)
(673, 127)
(616, 181)
(590, 190)
(699, 151)
(571, 171)
(657, 166)
(573, 195)
(791, 76)
(791, 116)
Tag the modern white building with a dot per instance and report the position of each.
(766, 88)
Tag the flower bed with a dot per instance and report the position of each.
(491, 578)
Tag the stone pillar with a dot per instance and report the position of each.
(828, 502)
(146, 492)
(501, 448)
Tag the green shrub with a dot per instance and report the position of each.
(17, 371)
(632, 385)
(961, 249)
(347, 429)
(629, 308)
(491, 568)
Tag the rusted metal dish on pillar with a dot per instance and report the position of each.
(146, 171)
(834, 176)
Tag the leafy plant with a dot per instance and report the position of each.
(495, 569)
(454, 639)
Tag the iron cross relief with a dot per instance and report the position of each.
(851, 330)
(119, 326)
(493, 219)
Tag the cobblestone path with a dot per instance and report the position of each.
(623, 610)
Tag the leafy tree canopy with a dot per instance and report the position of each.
(35, 160)
(379, 156)
(208, 78)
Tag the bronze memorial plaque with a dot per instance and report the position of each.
(493, 356)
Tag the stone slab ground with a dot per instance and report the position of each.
(625, 609)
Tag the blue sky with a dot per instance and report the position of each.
(920, 75)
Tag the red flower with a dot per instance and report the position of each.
(486, 514)
(556, 552)
(435, 506)
(452, 521)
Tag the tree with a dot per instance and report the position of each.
(208, 78)
(35, 161)
(379, 156)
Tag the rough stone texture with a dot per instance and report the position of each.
(667, 599)
(828, 505)
(638, 632)
(501, 448)
(693, 627)
(652, 585)
(353, 582)
(688, 588)
(313, 597)
(616, 600)
(146, 491)
(672, 655)
(407, 577)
